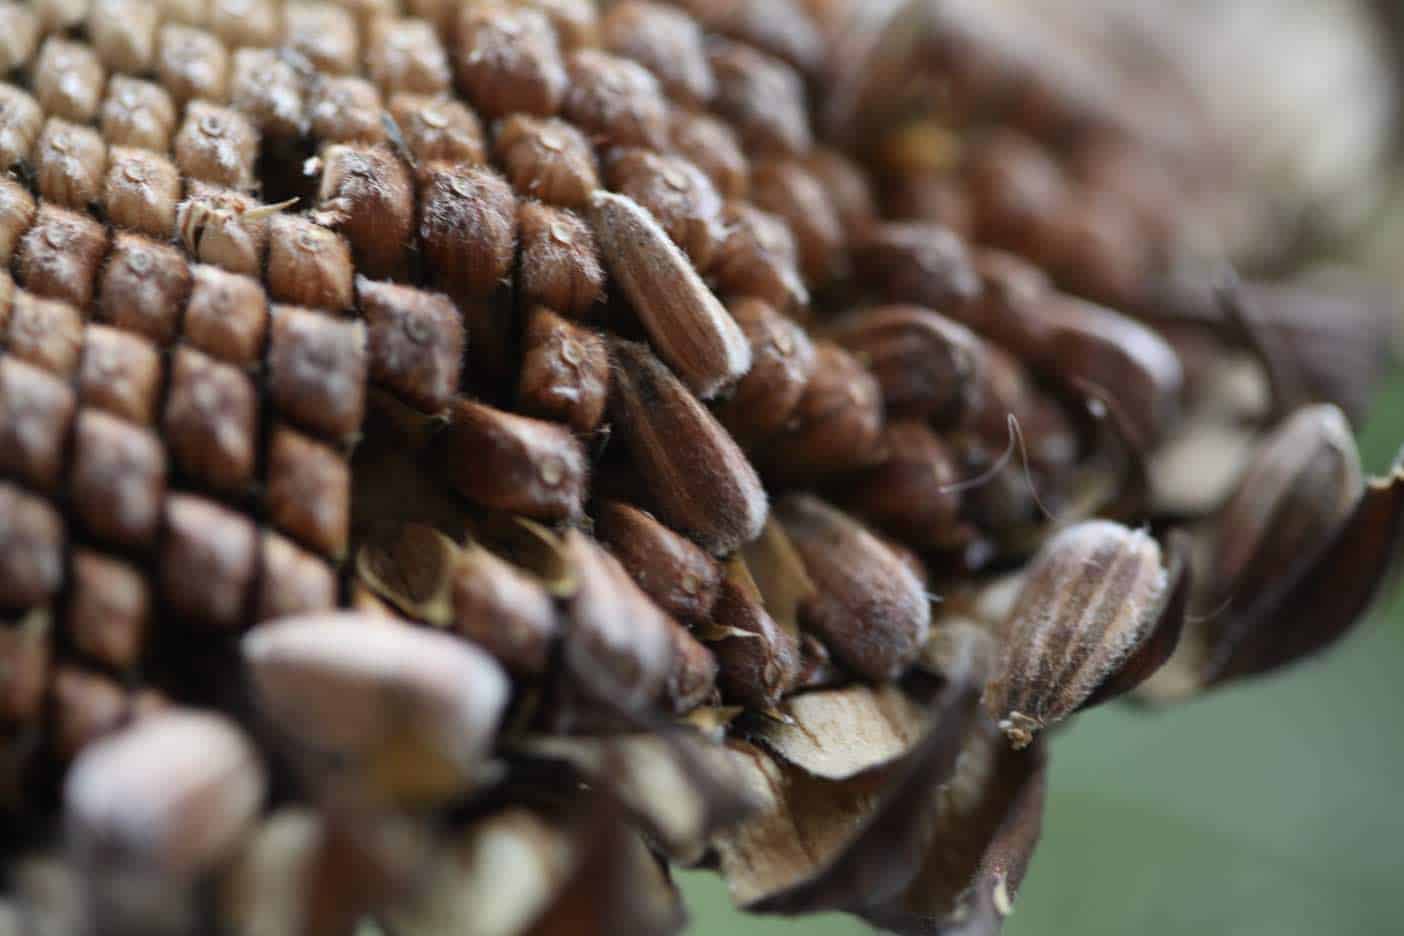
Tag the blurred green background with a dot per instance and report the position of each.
(1270, 808)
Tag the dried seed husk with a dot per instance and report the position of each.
(927, 366)
(821, 843)
(400, 714)
(1324, 596)
(414, 572)
(671, 569)
(464, 891)
(120, 373)
(868, 606)
(778, 571)
(836, 427)
(758, 659)
(690, 329)
(987, 826)
(838, 734)
(913, 495)
(679, 785)
(783, 362)
(692, 677)
(505, 609)
(1303, 481)
(619, 644)
(136, 797)
(698, 477)
(513, 463)
(1093, 596)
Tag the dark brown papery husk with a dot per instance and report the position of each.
(393, 404)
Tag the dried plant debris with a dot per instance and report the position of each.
(458, 460)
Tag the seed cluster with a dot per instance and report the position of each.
(417, 409)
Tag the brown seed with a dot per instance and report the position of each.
(138, 114)
(927, 366)
(438, 129)
(504, 610)
(324, 680)
(692, 678)
(324, 34)
(406, 55)
(144, 288)
(36, 409)
(211, 421)
(342, 109)
(547, 159)
(123, 33)
(227, 315)
(1097, 247)
(667, 42)
(70, 161)
(783, 363)
(414, 340)
(762, 97)
(118, 479)
(507, 61)
(16, 215)
(868, 607)
(512, 463)
(317, 371)
(616, 638)
(1123, 357)
(1015, 186)
(847, 185)
(367, 195)
(309, 492)
(1303, 481)
(615, 101)
(119, 373)
(565, 372)
(912, 495)
(468, 227)
(85, 707)
(44, 332)
(711, 145)
(25, 654)
(690, 328)
(678, 195)
(141, 192)
(921, 263)
(59, 255)
(31, 545)
(240, 23)
(1092, 595)
(21, 118)
(207, 563)
(57, 16)
(217, 145)
(137, 799)
(291, 581)
(67, 80)
(308, 265)
(576, 21)
(560, 263)
(935, 197)
(223, 227)
(267, 90)
(192, 64)
(679, 577)
(700, 481)
(107, 614)
(786, 29)
(758, 660)
(790, 191)
(836, 427)
(19, 36)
